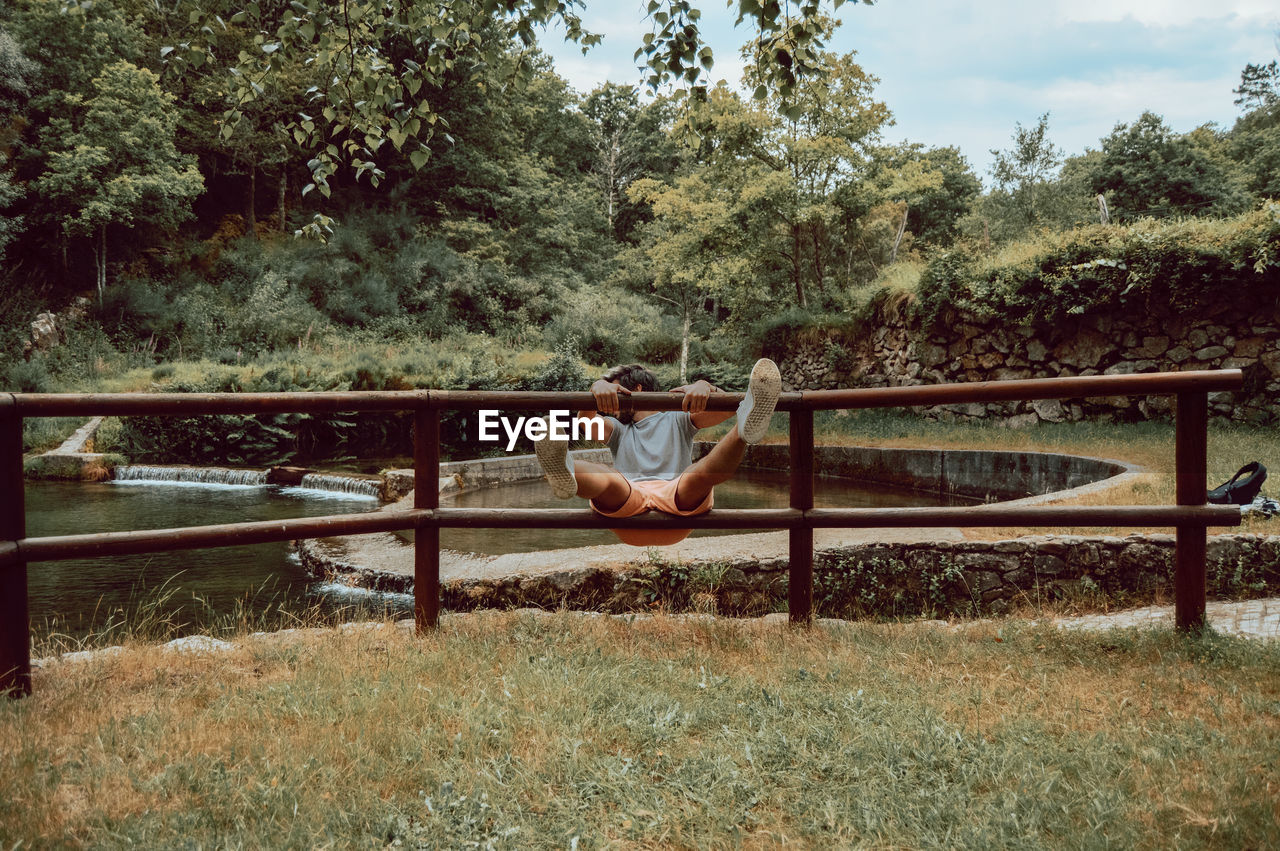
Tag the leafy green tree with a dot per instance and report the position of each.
(15, 70)
(1259, 86)
(1023, 173)
(1254, 146)
(383, 61)
(697, 249)
(936, 186)
(116, 164)
(1146, 169)
(612, 109)
(784, 174)
(516, 187)
(1254, 142)
(629, 141)
(258, 144)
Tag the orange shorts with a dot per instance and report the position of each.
(654, 496)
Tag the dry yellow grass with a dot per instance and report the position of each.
(518, 730)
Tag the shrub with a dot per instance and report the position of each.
(28, 377)
(1158, 266)
(615, 326)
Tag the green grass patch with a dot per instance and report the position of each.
(517, 730)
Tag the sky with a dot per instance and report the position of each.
(965, 73)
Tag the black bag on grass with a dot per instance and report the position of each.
(1242, 488)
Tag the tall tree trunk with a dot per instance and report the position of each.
(251, 205)
(684, 348)
(819, 271)
(284, 183)
(902, 228)
(100, 262)
(796, 273)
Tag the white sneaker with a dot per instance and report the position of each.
(553, 456)
(756, 410)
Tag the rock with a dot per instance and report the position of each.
(1153, 347)
(1085, 350)
(1271, 360)
(1020, 421)
(1048, 565)
(990, 360)
(287, 475)
(1049, 410)
(44, 332)
(1209, 353)
(1124, 367)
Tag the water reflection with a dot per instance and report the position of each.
(749, 489)
(199, 586)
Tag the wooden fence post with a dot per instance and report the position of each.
(15, 621)
(426, 537)
(800, 574)
(1191, 464)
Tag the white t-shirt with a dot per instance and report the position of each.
(657, 447)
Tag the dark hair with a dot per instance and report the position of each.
(631, 374)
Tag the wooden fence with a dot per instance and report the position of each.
(1190, 516)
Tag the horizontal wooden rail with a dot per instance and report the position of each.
(193, 404)
(1081, 387)
(196, 404)
(62, 547)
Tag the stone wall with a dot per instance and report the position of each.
(873, 580)
(966, 349)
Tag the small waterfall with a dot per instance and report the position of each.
(190, 475)
(344, 485)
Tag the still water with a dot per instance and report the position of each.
(200, 587)
(195, 586)
(748, 489)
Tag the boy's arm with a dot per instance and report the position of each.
(606, 394)
(695, 402)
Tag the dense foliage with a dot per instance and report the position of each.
(162, 164)
(1165, 268)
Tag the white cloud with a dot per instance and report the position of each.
(962, 73)
(1166, 12)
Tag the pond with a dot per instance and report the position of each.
(748, 489)
(202, 587)
(195, 586)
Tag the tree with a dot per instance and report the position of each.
(116, 164)
(1022, 172)
(784, 173)
(381, 62)
(15, 70)
(613, 110)
(1259, 86)
(1148, 170)
(697, 249)
(629, 140)
(937, 187)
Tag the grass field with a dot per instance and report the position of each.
(521, 730)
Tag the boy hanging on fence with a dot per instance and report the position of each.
(653, 450)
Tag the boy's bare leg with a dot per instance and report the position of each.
(716, 467)
(604, 486)
(754, 415)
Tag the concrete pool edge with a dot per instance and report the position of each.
(1019, 475)
(606, 576)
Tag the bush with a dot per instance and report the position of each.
(28, 377)
(1161, 267)
(614, 326)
